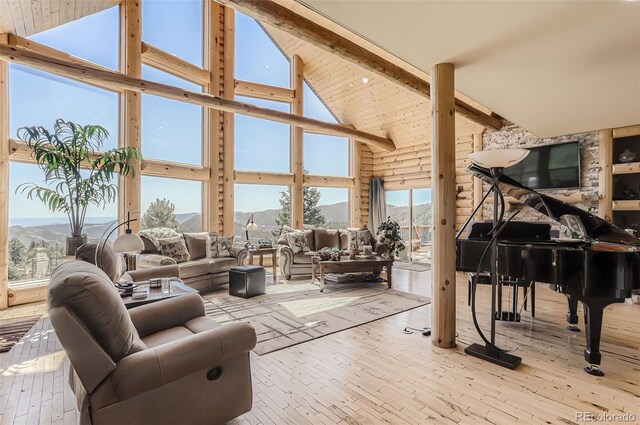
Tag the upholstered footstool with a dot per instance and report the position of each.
(247, 281)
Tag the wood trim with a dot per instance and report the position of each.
(161, 168)
(253, 177)
(477, 183)
(4, 185)
(355, 193)
(20, 152)
(626, 205)
(28, 294)
(226, 104)
(628, 168)
(264, 91)
(228, 54)
(311, 180)
(284, 19)
(605, 186)
(632, 130)
(130, 187)
(18, 42)
(297, 145)
(165, 61)
(443, 184)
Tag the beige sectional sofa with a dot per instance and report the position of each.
(199, 272)
(300, 263)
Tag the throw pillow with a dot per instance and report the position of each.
(297, 240)
(220, 246)
(175, 248)
(364, 238)
(353, 239)
(157, 233)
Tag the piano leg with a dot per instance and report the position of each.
(572, 314)
(593, 329)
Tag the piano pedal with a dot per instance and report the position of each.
(573, 328)
(508, 316)
(594, 369)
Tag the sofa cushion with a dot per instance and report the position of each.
(309, 235)
(297, 241)
(326, 238)
(344, 239)
(149, 246)
(302, 258)
(90, 295)
(196, 244)
(175, 248)
(112, 262)
(194, 268)
(221, 264)
(166, 335)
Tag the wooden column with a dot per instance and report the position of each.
(297, 147)
(477, 183)
(228, 121)
(443, 175)
(4, 184)
(212, 118)
(355, 194)
(130, 110)
(605, 189)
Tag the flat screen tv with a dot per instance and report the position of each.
(549, 167)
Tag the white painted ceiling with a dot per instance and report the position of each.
(552, 67)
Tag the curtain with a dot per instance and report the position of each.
(377, 204)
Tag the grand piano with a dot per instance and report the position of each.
(602, 267)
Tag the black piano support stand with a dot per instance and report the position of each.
(572, 314)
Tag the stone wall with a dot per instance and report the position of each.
(513, 136)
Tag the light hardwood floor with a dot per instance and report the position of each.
(376, 374)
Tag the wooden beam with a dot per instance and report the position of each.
(297, 145)
(605, 180)
(131, 106)
(626, 205)
(174, 170)
(284, 19)
(212, 121)
(253, 177)
(137, 85)
(12, 40)
(264, 91)
(165, 61)
(228, 207)
(627, 168)
(632, 130)
(443, 180)
(4, 185)
(311, 180)
(477, 183)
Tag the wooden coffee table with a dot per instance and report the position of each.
(155, 294)
(373, 265)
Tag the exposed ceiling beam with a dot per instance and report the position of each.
(273, 14)
(119, 81)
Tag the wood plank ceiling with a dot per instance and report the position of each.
(28, 17)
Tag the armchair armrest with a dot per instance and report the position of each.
(240, 253)
(155, 272)
(155, 317)
(152, 368)
(154, 260)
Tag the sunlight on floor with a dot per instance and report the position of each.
(306, 307)
(42, 364)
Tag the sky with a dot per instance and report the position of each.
(37, 98)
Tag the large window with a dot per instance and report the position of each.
(262, 145)
(257, 58)
(36, 235)
(270, 208)
(326, 207)
(412, 210)
(174, 26)
(172, 203)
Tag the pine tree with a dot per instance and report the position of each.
(161, 213)
(311, 211)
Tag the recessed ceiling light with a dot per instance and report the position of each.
(365, 80)
(351, 85)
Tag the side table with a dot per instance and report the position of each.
(177, 288)
(261, 252)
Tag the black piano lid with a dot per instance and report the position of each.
(596, 228)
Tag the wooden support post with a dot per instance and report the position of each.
(297, 144)
(477, 183)
(212, 118)
(443, 180)
(4, 185)
(355, 194)
(228, 121)
(605, 155)
(131, 109)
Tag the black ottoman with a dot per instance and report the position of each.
(247, 281)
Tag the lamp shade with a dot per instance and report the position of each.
(252, 226)
(128, 242)
(500, 158)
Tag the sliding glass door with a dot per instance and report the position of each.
(411, 208)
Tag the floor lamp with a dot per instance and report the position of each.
(496, 161)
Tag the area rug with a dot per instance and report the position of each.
(12, 331)
(291, 313)
(414, 267)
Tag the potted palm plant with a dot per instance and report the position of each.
(76, 173)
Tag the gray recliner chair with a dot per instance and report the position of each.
(160, 363)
